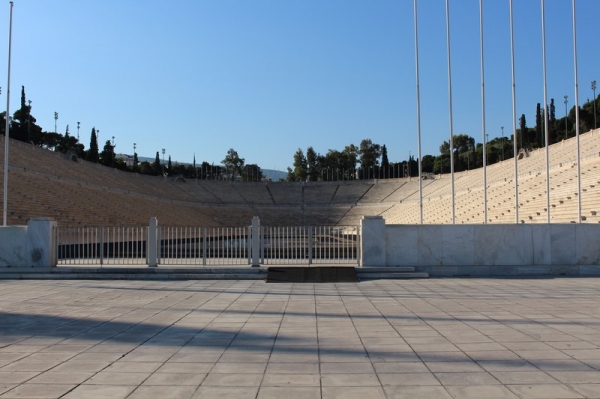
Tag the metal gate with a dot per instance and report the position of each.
(308, 245)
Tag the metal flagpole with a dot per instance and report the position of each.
(450, 109)
(7, 126)
(577, 114)
(483, 114)
(546, 114)
(418, 113)
(514, 112)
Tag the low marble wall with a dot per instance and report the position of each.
(13, 246)
(495, 249)
(28, 246)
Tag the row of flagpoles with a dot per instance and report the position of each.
(514, 124)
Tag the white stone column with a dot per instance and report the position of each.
(41, 243)
(255, 241)
(372, 251)
(152, 259)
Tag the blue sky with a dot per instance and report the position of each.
(267, 77)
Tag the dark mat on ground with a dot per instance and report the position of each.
(312, 275)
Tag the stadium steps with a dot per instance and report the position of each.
(388, 273)
(134, 273)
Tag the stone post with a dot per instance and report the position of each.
(41, 242)
(152, 258)
(255, 241)
(372, 232)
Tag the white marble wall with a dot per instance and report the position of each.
(13, 246)
(488, 245)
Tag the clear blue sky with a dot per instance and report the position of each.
(267, 77)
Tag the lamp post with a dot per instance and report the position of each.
(163, 162)
(594, 89)
(566, 116)
(78, 125)
(112, 155)
(55, 119)
(29, 122)
(502, 153)
(134, 165)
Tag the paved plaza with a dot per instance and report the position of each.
(430, 338)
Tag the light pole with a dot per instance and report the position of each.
(163, 162)
(134, 165)
(112, 155)
(29, 122)
(78, 125)
(594, 89)
(566, 116)
(502, 153)
(55, 119)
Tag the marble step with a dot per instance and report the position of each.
(392, 276)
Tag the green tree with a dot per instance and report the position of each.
(522, 129)
(312, 164)
(300, 166)
(252, 173)
(169, 166)
(233, 164)
(385, 163)
(107, 156)
(369, 154)
(92, 154)
(156, 166)
(136, 161)
(428, 164)
(538, 126)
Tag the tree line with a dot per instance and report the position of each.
(23, 127)
(370, 160)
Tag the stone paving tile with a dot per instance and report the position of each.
(100, 392)
(591, 391)
(206, 392)
(464, 379)
(163, 392)
(416, 392)
(352, 393)
(349, 380)
(34, 391)
(481, 392)
(178, 379)
(266, 392)
(542, 391)
(283, 380)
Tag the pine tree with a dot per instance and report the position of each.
(135, 162)
(157, 168)
(523, 127)
(169, 166)
(92, 154)
(385, 163)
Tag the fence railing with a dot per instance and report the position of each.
(204, 246)
(101, 245)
